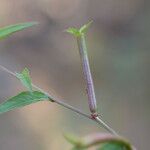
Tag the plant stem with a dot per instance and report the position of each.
(62, 103)
(102, 123)
(87, 74)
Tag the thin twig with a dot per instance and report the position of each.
(62, 103)
(102, 123)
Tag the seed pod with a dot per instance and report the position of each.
(87, 74)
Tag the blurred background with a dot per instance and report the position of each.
(118, 45)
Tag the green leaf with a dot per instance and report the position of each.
(25, 79)
(113, 146)
(22, 99)
(8, 30)
(73, 31)
(85, 27)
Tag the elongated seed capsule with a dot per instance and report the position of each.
(87, 74)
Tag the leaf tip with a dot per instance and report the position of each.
(85, 27)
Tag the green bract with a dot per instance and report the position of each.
(85, 27)
(78, 32)
(73, 31)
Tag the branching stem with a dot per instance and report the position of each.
(62, 103)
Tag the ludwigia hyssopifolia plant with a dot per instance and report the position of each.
(33, 94)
